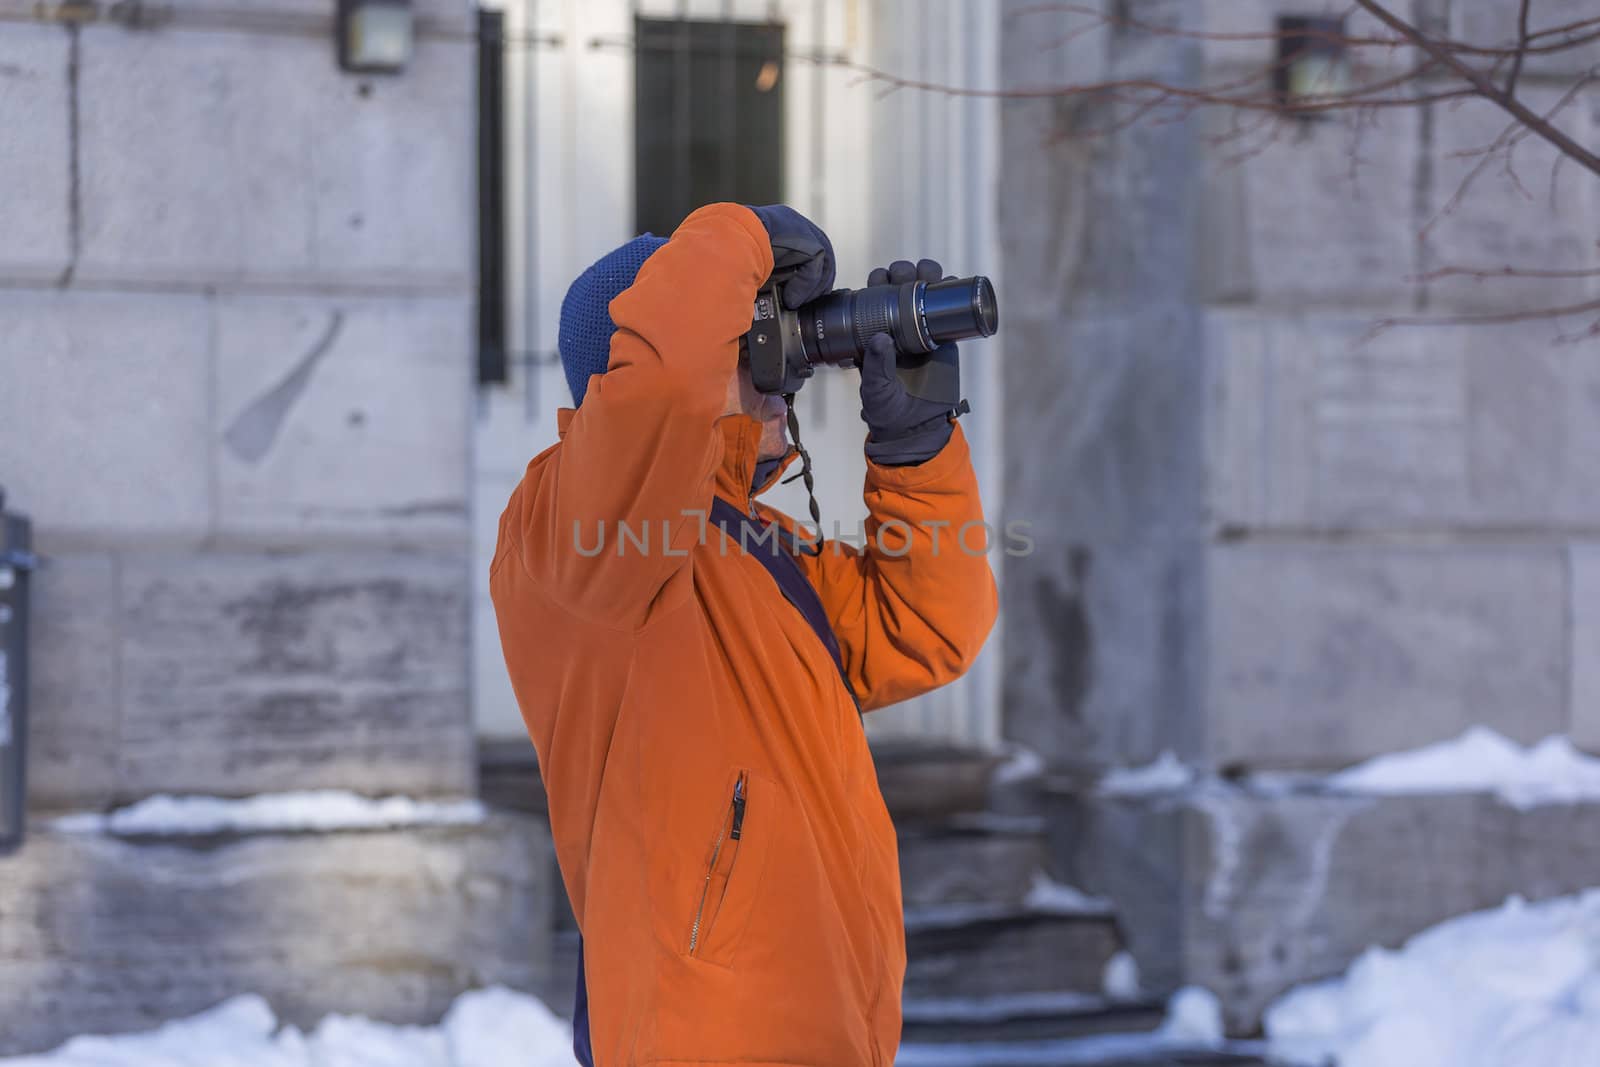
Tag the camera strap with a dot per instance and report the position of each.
(805, 473)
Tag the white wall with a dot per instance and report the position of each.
(845, 153)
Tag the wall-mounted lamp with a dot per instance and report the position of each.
(1313, 60)
(375, 36)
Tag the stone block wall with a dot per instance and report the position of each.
(238, 290)
(106, 934)
(1271, 534)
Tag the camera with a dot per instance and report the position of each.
(786, 346)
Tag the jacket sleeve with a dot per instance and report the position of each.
(914, 604)
(642, 450)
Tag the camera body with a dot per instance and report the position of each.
(786, 346)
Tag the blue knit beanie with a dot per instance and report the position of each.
(586, 326)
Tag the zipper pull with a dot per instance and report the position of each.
(738, 807)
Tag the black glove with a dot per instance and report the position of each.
(905, 429)
(798, 244)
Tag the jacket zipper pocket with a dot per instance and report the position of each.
(729, 833)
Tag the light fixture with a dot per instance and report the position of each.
(375, 36)
(1313, 61)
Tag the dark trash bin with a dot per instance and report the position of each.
(16, 562)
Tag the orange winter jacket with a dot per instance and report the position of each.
(716, 813)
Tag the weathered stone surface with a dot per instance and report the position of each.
(1251, 894)
(1322, 655)
(105, 935)
(1584, 656)
(1308, 215)
(1014, 955)
(927, 779)
(973, 868)
(1103, 434)
(72, 740)
(341, 416)
(197, 165)
(35, 152)
(1102, 615)
(1317, 423)
(1045, 45)
(1522, 211)
(243, 674)
(88, 442)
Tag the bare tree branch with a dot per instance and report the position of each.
(1485, 87)
(1445, 70)
(1522, 48)
(1487, 273)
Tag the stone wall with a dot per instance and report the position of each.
(1268, 535)
(236, 379)
(238, 291)
(105, 935)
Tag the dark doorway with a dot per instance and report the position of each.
(708, 122)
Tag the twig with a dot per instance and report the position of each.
(1485, 87)
(1485, 273)
(1493, 318)
(1522, 49)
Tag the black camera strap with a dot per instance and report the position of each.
(805, 473)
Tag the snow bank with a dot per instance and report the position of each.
(486, 1028)
(1022, 764)
(1166, 775)
(1194, 1019)
(315, 810)
(499, 1028)
(1480, 760)
(1514, 987)
(1120, 979)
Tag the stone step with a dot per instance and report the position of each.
(954, 863)
(928, 780)
(100, 934)
(954, 953)
(1025, 1017)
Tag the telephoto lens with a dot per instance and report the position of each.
(920, 316)
(785, 347)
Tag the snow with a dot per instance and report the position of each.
(496, 1027)
(1120, 980)
(1022, 764)
(1518, 986)
(484, 1028)
(1166, 775)
(1053, 898)
(1480, 760)
(1194, 1018)
(319, 810)
(1044, 897)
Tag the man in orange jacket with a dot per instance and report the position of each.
(693, 695)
